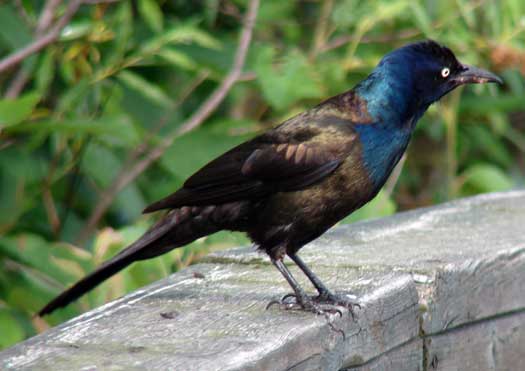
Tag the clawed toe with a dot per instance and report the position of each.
(318, 305)
(338, 301)
(288, 296)
(283, 303)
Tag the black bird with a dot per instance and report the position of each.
(289, 185)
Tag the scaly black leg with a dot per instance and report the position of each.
(298, 290)
(302, 300)
(318, 284)
(325, 295)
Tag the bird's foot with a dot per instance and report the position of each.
(328, 298)
(307, 304)
(284, 302)
(310, 304)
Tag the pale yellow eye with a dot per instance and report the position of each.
(445, 72)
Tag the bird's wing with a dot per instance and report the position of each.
(260, 167)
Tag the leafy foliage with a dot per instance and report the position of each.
(124, 75)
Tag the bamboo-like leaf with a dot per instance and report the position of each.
(148, 90)
(14, 111)
(115, 129)
(150, 11)
(482, 178)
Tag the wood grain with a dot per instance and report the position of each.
(440, 288)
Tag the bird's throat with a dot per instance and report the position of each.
(392, 102)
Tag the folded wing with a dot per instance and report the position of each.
(256, 169)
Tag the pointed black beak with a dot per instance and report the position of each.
(474, 75)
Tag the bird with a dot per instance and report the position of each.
(289, 185)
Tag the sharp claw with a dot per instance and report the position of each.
(325, 303)
(337, 330)
(273, 302)
(341, 301)
(315, 306)
(288, 296)
(282, 301)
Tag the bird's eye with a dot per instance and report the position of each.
(445, 72)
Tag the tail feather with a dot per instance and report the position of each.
(178, 227)
(150, 244)
(89, 282)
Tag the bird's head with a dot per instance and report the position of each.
(429, 71)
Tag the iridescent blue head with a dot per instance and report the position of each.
(414, 76)
(399, 91)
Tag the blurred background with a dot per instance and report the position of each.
(113, 111)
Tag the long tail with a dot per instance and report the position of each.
(87, 283)
(177, 228)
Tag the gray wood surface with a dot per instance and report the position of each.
(438, 287)
(488, 345)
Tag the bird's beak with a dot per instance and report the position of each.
(474, 75)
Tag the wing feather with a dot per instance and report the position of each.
(258, 168)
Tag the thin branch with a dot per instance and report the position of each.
(50, 37)
(165, 118)
(47, 16)
(23, 14)
(51, 211)
(321, 29)
(94, 2)
(403, 35)
(17, 84)
(388, 38)
(126, 176)
(44, 22)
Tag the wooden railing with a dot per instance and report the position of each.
(441, 288)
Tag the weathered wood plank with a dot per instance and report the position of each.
(440, 272)
(459, 254)
(219, 322)
(497, 345)
(407, 357)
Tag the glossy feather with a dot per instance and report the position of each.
(286, 187)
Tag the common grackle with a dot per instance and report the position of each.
(287, 186)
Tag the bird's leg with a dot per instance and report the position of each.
(303, 301)
(318, 284)
(299, 293)
(325, 295)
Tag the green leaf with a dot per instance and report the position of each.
(287, 82)
(210, 141)
(382, 205)
(421, 17)
(13, 30)
(75, 30)
(150, 11)
(144, 87)
(482, 178)
(123, 29)
(45, 71)
(14, 111)
(112, 129)
(185, 34)
(481, 139)
(101, 164)
(21, 173)
(178, 59)
(61, 262)
(12, 331)
(73, 96)
(483, 105)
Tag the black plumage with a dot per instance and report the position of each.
(287, 186)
